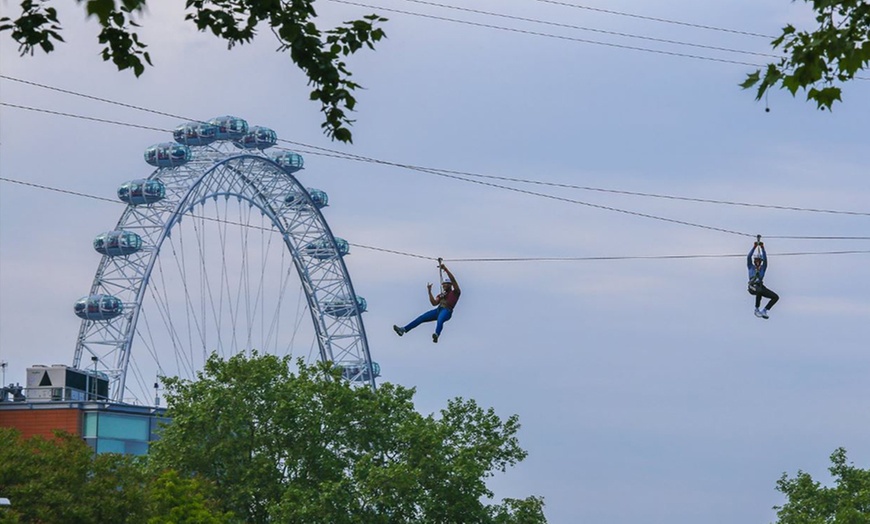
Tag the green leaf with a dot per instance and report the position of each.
(837, 49)
(825, 97)
(751, 79)
(102, 9)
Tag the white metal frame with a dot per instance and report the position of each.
(222, 171)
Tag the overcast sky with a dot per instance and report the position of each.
(646, 388)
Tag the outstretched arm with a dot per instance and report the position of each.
(749, 256)
(452, 278)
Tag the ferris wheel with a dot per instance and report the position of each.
(221, 249)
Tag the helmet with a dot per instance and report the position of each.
(447, 283)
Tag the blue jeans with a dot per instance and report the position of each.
(441, 314)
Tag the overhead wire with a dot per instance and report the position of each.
(81, 117)
(580, 187)
(229, 222)
(456, 174)
(341, 154)
(655, 19)
(581, 28)
(550, 35)
(666, 197)
(523, 191)
(608, 44)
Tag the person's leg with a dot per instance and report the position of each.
(757, 297)
(428, 316)
(766, 293)
(443, 316)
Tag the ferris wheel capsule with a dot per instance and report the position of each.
(345, 307)
(142, 191)
(257, 137)
(117, 243)
(168, 154)
(322, 249)
(358, 371)
(195, 133)
(98, 307)
(229, 127)
(289, 161)
(318, 197)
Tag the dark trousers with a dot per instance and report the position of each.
(762, 292)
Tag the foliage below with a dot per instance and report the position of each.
(847, 502)
(819, 61)
(307, 447)
(252, 442)
(61, 480)
(320, 54)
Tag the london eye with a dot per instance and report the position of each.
(221, 250)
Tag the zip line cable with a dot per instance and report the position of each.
(582, 28)
(457, 259)
(648, 257)
(447, 174)
(550, 35)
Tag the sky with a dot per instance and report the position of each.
(646, 388)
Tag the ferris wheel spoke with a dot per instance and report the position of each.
(266, 237)
(181, 266)
(147, 339)
(303, 311)
(276, 317)
(137, 376)
(162, 303)
(244, 292)
(207, 298)
(225, 284)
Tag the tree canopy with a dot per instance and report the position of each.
(847, 502)
(62, 480)
(820, 60)
(306, 447)
(318, 53)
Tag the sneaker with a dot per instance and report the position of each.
(399, 331)
(758, 313)
(764, 313)
(435, 337)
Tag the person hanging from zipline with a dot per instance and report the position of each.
(444, 304)
(756, 261)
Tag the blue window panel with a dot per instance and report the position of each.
(107, 445)
(90, 425)
(123, 427)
